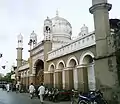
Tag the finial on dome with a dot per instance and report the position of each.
(20, 36)
(47, 17)
(56, 12)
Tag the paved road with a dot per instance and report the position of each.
(21, 98)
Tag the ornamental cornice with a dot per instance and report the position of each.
(100, 6)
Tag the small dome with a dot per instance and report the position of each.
(84, 30)
(33, 36)
(47, 21)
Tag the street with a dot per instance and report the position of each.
(21, 98)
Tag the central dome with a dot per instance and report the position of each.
(61, 27)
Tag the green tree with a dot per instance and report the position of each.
(7, 77)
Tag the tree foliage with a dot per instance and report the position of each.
(7, 77)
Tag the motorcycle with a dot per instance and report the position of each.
(51, 94)
(55, 95)
(92, 98)
(46, 93)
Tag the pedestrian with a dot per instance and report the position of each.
(31, 90)
(8, 87)
(41, 90)
(17, 87)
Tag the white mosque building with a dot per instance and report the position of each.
(58, 61)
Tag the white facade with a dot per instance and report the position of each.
(59, 31)
(78, 44)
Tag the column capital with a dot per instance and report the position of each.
(19, 48)
(48, 72)
(33, 70)
(32, 75)
(68, 68)
(58, 70)
(19, 59)
(100, 6)
(81, 66)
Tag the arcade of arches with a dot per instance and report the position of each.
(73, 74)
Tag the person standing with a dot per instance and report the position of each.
(31, 90)
(41, 90)
(8, 87)
(17, 87)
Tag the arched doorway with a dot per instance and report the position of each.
(39, 75)
(59, 75)
(89, 63)
(52, 75)
(73, 80)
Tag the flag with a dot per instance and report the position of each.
(3, 67)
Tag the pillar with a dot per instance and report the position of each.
(91, 77)
(58, 78)
(100, 10)
(19, 55)
(75, 78)
(69, 81)
(82, 78)
(49, 80)
(106, 79)
(47, 48)
(63, 78)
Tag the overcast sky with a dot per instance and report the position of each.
(24, 16)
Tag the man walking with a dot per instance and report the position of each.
(8, 87)
(41, 90)
(17, 87)
(31, 90)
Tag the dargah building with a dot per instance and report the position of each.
(85, 63)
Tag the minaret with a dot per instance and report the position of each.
(100, 12)
(105, 62)
(47, 47)
(33, 37)
(47, 29)
(19, 51)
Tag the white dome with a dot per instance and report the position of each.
(33, 36)
(47, 21)
(61, 27)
